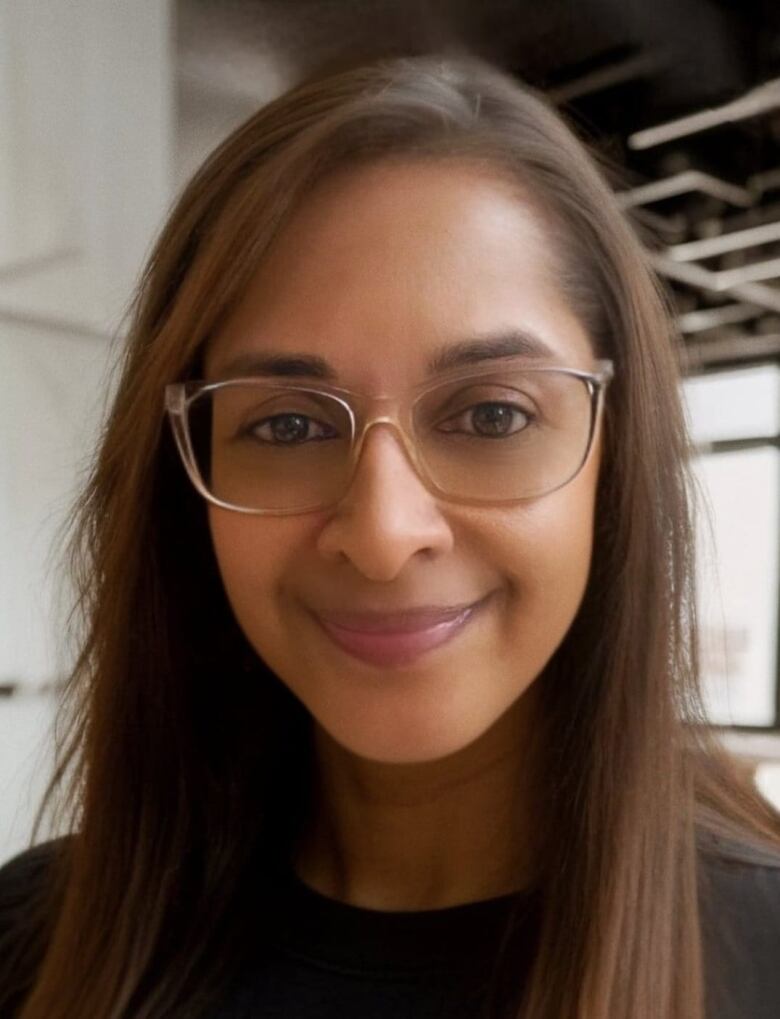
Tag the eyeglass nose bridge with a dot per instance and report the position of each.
(394, 411)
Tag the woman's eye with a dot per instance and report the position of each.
(490, 420)
(289, 429)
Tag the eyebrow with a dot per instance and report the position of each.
(474, 350)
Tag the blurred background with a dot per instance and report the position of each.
(106, 108)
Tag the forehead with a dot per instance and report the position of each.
(382, 268)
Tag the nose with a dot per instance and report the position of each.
(387, 516)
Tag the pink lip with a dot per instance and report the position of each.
(396, 639)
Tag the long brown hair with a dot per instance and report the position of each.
(182, 760)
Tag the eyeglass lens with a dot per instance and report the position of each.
(507, 435)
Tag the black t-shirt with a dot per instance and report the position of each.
(330, 960)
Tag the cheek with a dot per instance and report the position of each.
(547, 568)
(255, 555)
(562, 551)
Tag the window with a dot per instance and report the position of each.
(734, 417)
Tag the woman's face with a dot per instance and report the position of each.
(379, 267)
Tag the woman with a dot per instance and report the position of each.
(399, 720)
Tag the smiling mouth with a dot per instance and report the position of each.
(399, 639)
(403, 621)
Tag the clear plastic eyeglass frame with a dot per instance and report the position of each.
(364, 411)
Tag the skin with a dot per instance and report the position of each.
(429, 788)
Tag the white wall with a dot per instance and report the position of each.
(53, 388)
(25, 766)
(52, 393)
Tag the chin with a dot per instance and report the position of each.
(404, 754)
(404, 747)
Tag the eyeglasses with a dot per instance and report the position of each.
(497, 435)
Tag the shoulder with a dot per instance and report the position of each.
(26, 908)
(740, 877)
(744, 890)
(739, 895)
(23, 878)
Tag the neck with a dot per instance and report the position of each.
(426, 835)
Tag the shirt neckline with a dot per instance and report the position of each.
(337, 934)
